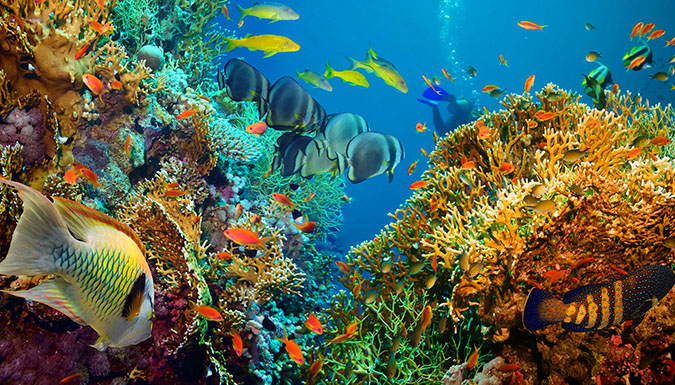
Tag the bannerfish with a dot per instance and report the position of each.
(595, 91)
(371, 154)
(315, 79)
(340, 129)
(269, 44)
(636, 52)
(602, 75)
(292, 108)
(242, 82)
(599, 306)
(101, 276)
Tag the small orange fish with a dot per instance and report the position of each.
(186, 114)
(656, 34)
(238, 211)
(101, 29)
(170, 185)
(258, 128)
(309, 197)
(447, 75)
(636, 62)
(466, 164)
(71, 176)
(530, 25)
(412, 168)
(489, 88)
(226, 12)
(670, 42)
(94, 84)
(66, 380)
(82, 51)
(351, 328)
(87, 174)
(615, 88)
(257, 219)
(483, 132)
(342, 266)
(293, 350)
(307, 227)
(313, 324)
(430, 84)
(529, 82)
(506, 168)
(544, 116)
(508, 368)
(532, 124)
(340, 339)
(620, 271)
(554, 275)
(581, 262)
(473, 359)
(174, 193)
(208, 312)
(421, 127)
(427, 314)
(654, 158)
(434, 263)
(424, 152)
(634, 152)
(237, 344)
(283, 199)
(100, 3)
(127, 145)
(660, 141)
(202, 97)
(419, 184)
(223, 255)
(433, 205)
(116, 85)
(346, 198)
(503, 61)
(636, 30)
(241, 23)
(245, 237)
(315, 368)
(645, 30)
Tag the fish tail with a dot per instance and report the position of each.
(242, 10)
(329, 71)
(40, 230)
(533, 318)
(230, 44)
(352, 62)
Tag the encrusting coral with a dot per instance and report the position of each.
(559, 195)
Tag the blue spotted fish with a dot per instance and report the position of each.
(599, 306)
(101, 277)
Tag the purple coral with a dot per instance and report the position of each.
(27, 128)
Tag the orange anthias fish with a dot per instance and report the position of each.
(554, 275)
(293, 350)
(530, 25)
(101, 29)
(421, 127)
(71, 176)
(636, 30)
(645, 30)
(483, 132)
(127, 145)
(306, 227)
(615, 88)
(473, 359)
(82, 51)
(223, 255)
(94, 85)
(237, 344)
(670, 42)
(186, 114)
(467, 164)
(434, 263)
(529, 82)
(87, 174)
(245, 237)
(309, 197)
(66, 380)
(226, 12)
(532, 124)
(313, 324)
(258, 128)
(419, 184)
(447, 75)
(208, 312)
(581, 262)
(173, 193)
(315, 368)
(489, 88)
(660, 141)
(544, 116)
(634, 152)
(342, 266)
(283, 199)
(430, 84)
(412, 168)
(116, 85)
(506, 168)
(427, 314)
(636, 62)
(656, 34)
(503, 61)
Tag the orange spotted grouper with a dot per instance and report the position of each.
(599, 306)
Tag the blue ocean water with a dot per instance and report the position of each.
(422, 37)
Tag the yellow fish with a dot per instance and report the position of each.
(101, 277)
(352, 77)
(271, 11)
(270, 44)
(382, 68)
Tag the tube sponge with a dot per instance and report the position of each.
(27, 128)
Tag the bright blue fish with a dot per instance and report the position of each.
(599, 306)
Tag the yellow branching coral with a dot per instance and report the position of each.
(11, 162)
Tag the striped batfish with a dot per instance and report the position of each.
(316, 160)
(243, 83)
(340, 129)
(290, 153)
(372, 153)
(293, 109)
(599, 306)
(101, 276)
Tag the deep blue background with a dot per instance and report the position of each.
(411, 35)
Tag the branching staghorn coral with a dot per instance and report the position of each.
(547, 192)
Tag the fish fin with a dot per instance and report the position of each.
(96, 228)
(230, 44)
(54, 294)
(39, 231)
(134, 300)
(270, 53)
(579, 294)
(531, 318)
(636, 322)
(390, 174)
(571, 327)
(101, 343)
(329, 71)
(242, 10)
